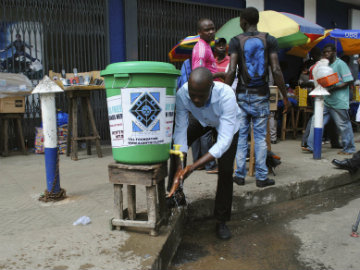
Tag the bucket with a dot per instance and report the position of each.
(329, 80)
(141, 103)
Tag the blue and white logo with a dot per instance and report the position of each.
(145, 107)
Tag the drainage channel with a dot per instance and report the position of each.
(261, 238)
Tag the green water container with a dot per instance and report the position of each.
(141, 102)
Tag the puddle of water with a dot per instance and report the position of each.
(260, 239)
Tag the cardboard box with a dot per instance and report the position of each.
(274, 97)
(12, 104)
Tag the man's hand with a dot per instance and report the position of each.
(179, 178)
(287, 105)
(186, 172)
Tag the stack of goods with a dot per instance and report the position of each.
(356, 94)
(62, 137)
(296, 92)
(39, 140)
(303, 95)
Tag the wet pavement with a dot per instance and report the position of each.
(263, 237)
(37, 235)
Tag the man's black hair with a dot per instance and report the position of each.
(251, 15)
(315, 53)
(199, 24)
(17, 35)
(220, 40)
(346, 59)
(201, 74)
(331, 46)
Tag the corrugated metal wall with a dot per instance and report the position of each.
(162, 24)
(68, 34)
(63, 34)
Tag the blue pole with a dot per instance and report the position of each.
(318, 126)
(52, 170)
(48, 111)
(117, 31)
(47, 89)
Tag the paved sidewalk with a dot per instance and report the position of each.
(37, 235)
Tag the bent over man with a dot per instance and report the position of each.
(214, 107)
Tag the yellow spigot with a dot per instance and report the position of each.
(177, 152)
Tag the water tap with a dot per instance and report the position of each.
(176, 151)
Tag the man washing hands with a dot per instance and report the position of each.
(213, 105)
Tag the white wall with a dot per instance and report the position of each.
(310, 10)
(259, 4)
(354, 18)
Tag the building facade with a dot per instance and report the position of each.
(147, 29)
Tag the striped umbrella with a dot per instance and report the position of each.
(289, 29)
(346, 42)
(182, 51)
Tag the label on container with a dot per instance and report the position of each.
(141, 116)
(116, 121)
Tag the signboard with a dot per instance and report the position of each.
(141, 116)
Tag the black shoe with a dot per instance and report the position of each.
(222, 231)
(336, 146)
(344, 165)
(239, 180)
(265, 183)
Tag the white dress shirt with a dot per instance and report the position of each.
(221, 111)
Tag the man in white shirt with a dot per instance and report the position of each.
(213, 104)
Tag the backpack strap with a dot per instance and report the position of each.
(244, 74)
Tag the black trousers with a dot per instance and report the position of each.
(224, 191)
(355, 160)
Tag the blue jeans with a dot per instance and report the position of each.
(342, 121)
(255, 109)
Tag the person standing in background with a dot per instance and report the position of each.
(336, 105)
(222, 60)
(202, 56)
(253, 52)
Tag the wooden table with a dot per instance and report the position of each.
(74, 94)
(17, 118)
(82, 93)
(153, 178)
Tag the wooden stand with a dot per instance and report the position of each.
(304, 113)
(150, 176)
(289, 126)
(5, 118)
(87, 115)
